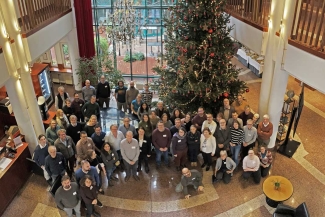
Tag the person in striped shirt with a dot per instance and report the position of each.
(147, 95)
(236, 140)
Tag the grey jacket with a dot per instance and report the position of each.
(68, 150)
(230, 164)
(130, 151)
(195, 179)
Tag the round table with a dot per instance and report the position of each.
(276, 196)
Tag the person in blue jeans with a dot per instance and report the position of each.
(161, 139)
(110, 160)
(236, 140)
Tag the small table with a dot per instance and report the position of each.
(276, 196)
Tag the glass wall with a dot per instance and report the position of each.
(135, 58)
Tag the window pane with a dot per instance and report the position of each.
(66, 56)
(53, 57)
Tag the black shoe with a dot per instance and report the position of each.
(126, 178)
(99, 204)
(203, 165)
(114, 178)
(96, 214)
(178, 168)
(184, 165)
(136, 178)
(138, 169)
(207, 168)
(147, 169)
(101, 192)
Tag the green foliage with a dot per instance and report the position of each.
(92, 69)
(198, 54)
(103, 45)
(138, 56)
(65, 49)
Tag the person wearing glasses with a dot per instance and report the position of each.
(223, 136)
(250, 135)
(208, 147)
(190, 177)
(127, 127)
(225, 166)
(266, 161)
(251, 166)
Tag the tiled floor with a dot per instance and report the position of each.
(154, 195)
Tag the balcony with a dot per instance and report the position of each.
(36, 14)
(308, 28)
(252, 12)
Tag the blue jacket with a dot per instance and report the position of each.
(92, 172)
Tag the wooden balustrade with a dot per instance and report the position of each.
(308, 30)
(34, 13)
(256, 12)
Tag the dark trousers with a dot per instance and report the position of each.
(217, 154)
(256, 175)
(130, 169)
(143, 157)
(71, 161)
(224, 176)
(80, 117)
(181, 157)
(244, 150)
(193, 152)
(207, 158)
(265, 171)
(90, 209)
(101, 101)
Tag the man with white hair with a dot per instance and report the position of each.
(255, 119)
(250, 135)
(55, 164)
(60, 98)
(88, 91)
(264, 131)
(130, 151)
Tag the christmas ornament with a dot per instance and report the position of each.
(225, 94)
(210, 31)
(247, 90)
(211, 54)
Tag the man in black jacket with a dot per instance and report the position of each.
(60, 98)
(222, 135)
(74, 129)
(103, 92)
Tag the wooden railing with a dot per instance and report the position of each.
(35, 13)
(254, 12)
(308, 28)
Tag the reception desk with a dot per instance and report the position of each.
(14, 176)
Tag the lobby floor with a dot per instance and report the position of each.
(154, 195)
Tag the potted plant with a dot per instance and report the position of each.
(277, 184)
(92, 69)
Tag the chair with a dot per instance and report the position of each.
(288, 211)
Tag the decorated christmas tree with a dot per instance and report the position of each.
(197, 69)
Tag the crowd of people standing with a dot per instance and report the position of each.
(75, 147)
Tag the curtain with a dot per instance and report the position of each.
(84, 22)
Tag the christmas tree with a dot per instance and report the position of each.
(197, 70)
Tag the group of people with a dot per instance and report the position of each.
(69, 143)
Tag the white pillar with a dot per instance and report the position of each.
(280, 76)
(274, 26)
(19, 106)
(11, 23)
(16, 93)
(74, 51)
(74, 55)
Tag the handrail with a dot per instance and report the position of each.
(34, 13)
(308, 27)
(255, 11)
